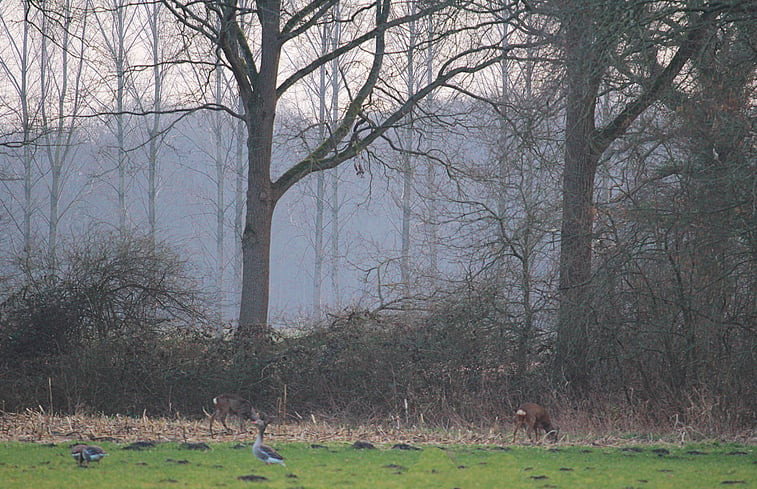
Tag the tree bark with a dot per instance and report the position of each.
(583, 76)
(260, 105)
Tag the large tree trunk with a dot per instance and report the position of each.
(256, 238)
(260, 107)
(574, 319)
(256, 250)
(583, 75)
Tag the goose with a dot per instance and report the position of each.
(87, 453)
(264, 452)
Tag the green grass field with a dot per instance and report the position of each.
(716, 465)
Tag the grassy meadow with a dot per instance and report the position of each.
(333, 465)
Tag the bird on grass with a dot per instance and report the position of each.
(87, 453)
(264, 452)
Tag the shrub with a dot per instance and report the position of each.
(104, 308)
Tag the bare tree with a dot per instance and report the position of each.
(592, 33)
(62, 101)
(116, 23)
(154, 131)
(213, 135)
(407, 141)
(326, 40)
(336, 74)
(701, 190)
(254, 64)
(219, 161)
(431, 167)
(20, 78)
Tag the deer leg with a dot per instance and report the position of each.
(517, 425)
(223, 422)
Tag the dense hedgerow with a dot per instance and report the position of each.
(120, 328)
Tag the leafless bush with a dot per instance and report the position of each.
(453, 363)
(95, 322)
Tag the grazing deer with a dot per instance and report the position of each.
(532, 417)
(226, 404)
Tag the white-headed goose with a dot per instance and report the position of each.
(264, 452)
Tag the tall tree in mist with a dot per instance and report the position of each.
(253, 56)
(62, 101)
(116, 22)
(605, 43)
(17, 71)
(328, 114)
(154, 129)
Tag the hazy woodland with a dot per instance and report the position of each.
(428, 211)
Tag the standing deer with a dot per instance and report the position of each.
(233, 404)
(532, 417)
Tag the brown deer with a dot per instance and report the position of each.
(233, 404)
(532, 417)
